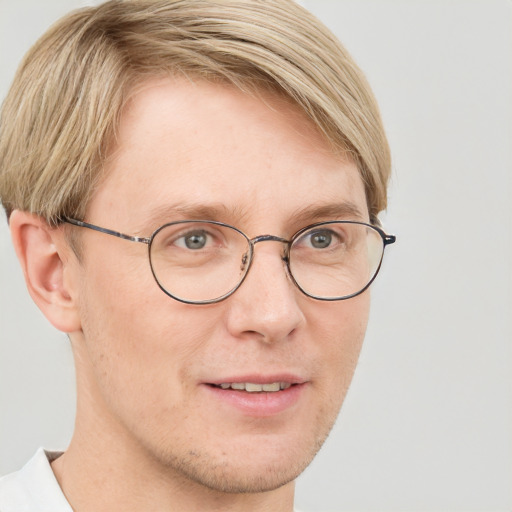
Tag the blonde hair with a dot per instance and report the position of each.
(61, 113)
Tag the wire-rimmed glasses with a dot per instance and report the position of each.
(205, 261)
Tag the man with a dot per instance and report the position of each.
(192, 189)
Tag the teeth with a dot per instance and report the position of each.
(250, 387)
(253, 388)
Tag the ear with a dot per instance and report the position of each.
(48, 263)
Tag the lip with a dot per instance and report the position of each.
(259, 404)
(260, 379)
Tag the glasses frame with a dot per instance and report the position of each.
(386, 240)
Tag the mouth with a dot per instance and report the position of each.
(252, 387)
(259, 396)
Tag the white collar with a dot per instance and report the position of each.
(33, 488)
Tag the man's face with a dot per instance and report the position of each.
(149, 366)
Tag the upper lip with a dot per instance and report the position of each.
(259, 379)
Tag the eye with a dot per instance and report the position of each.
(194, 240)
(320, 239)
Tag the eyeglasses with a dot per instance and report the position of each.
(204, 261)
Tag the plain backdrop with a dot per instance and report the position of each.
(427, 424)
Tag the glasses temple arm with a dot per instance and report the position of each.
(82, 224)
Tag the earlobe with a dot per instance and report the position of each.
(45, 255)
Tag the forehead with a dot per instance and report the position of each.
(195, 148)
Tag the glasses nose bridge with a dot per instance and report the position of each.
(272, 238)
(268, 238)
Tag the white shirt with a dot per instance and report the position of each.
(33, 488)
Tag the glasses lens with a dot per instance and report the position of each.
(336, 260)
(199, 261)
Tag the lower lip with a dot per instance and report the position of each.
(259, 404)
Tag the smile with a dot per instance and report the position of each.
(258, 396)
(251, 387)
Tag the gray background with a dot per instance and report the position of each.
(427, 425)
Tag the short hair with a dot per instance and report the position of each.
(60, 117)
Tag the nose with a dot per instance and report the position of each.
(266, 306)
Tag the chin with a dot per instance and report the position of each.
(260, 464)
(243, 477)
(268, 480)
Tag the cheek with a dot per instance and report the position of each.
(133, 333)
(343, 326)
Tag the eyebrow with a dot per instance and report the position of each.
(343, 210)
(193, 211)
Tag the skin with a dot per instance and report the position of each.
(150, 435)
